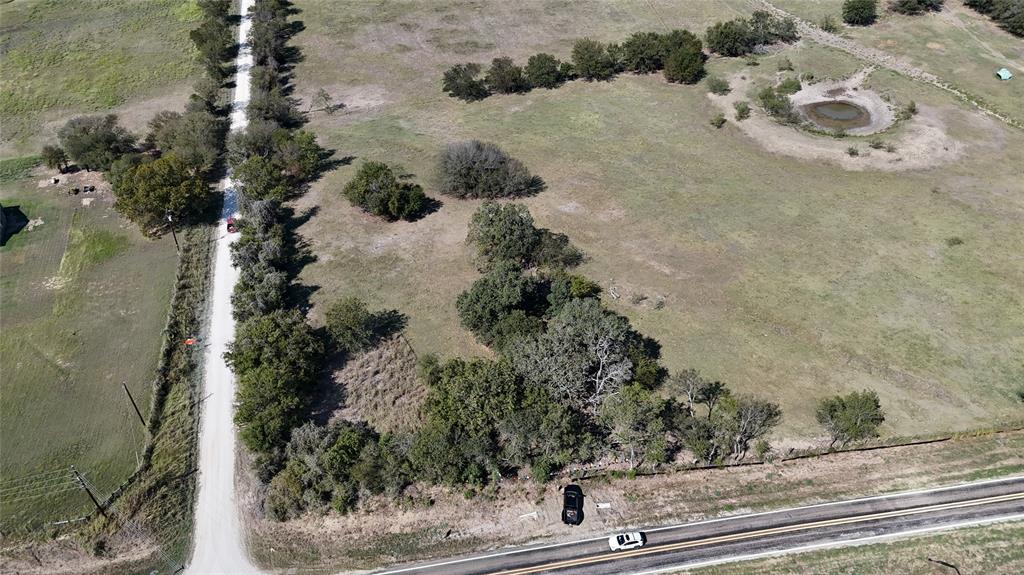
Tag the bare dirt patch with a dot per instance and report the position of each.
(923, 142)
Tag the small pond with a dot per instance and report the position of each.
(837, 114)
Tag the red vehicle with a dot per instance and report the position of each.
(231, 225)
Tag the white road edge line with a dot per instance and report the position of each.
(834, 544)
(707, 521)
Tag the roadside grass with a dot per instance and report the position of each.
(957, 44)
(64, 57)
(84, 303)
(979, 549)
(787, 279)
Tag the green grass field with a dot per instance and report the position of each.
(981, 549)
(786, 278)
(67, 57)
(84, 304)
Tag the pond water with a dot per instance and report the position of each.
(835, 114)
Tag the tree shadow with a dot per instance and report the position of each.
(328, 395)
(387, 323)
(430, 205)
(14, 221)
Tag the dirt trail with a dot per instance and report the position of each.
(881, 59)
(218, 546)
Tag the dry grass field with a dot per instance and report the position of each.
(788, 278)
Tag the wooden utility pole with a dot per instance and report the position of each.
(135, 405)
(174, 235)
(81, 481)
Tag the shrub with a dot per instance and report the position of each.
(376, 189)
(591, 61)
(503, 232)
(718, 121)
(766, 28)
(915, 7)
(829, 24)
(954, 241)
(785, 65)
(544, 71)
(94, 142)
(717, 85)
(350, 325)
(851, 417)
(890, 148)
(789, 86)
(860, 12)
(685, 65)
(875, 144)
(742, 110)
(777, 105)
(501, 291)
(475, 169)
(504, 77)
(732, 38)
(852, 151)
(908, 111)
(462, 81)
(644, 52)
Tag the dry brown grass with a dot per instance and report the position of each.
(381, 387)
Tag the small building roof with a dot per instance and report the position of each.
(1004, 74)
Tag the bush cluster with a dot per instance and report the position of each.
(1009, 14)
(860, 12)
(777, 105)
(475, 169)
(678, 53)
(741, 36)
(377, 189)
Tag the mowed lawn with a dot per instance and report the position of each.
(787, 279)
(84, 300)
(66, 57)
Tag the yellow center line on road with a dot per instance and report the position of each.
(761, 533)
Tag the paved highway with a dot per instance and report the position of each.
(750, 535)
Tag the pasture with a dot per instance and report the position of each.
(85, 299)
(65, 57)
(787, 278)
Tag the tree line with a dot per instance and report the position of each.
(678, 54)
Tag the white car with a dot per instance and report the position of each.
(626, 541)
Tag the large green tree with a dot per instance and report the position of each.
(377, 189)
(95, 142)
(582, 357)
(148, 192)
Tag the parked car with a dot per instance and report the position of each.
(231, 225)
(572, 505)
(627, 541)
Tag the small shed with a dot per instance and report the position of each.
(1003, 74)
